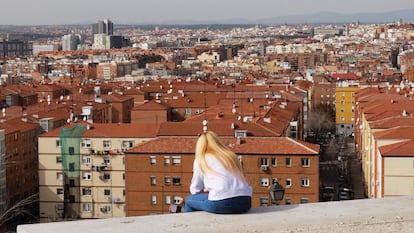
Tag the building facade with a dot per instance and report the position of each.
(9, 48)
(98, 189)
(103, 27)
(2, 171)
(159, 172)
(345, 109)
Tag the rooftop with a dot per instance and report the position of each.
(392, 214)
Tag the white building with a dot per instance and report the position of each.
(70, 42)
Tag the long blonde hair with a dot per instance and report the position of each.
(208, 142)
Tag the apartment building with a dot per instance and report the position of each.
(323, 92)
(383, 140)
(18, 154)
(121, 107)
(345, 108)
(159, 171)
(2, 170)
(82, 169)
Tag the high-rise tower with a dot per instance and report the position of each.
(103, 27)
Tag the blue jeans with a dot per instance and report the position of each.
(234, 205)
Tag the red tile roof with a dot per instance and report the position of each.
(249, 145)
(391, 122)
(113, 131)
(402, 149)
(345, 76)
(403, 132)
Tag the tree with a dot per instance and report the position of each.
(19, 209)
(320, 121)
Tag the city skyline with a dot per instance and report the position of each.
(43, 12)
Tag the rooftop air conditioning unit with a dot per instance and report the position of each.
(264, 167)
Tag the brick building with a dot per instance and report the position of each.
(159, 171)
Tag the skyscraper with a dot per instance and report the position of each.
(103, 27)
(70, 42)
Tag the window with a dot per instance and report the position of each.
(86, 159)
(288, 200)
(58, 159)
(176, 180)
(176, 160)
(153, 199)
(167, 180)
(59, 191)
(153, 160)
(87, 191)
(187, 111)
(86, 176)
(71, 150)
(264, 181)
(106, 209)
(178, 200)
(288, 182)
(264, 201)
(153, 180)
(107, 192)
(304, 200)
(264, 161)
(86, 143)
(304, 182)
(168, 199)
(167, 160)
(59, 175)
(342, 110)
(58, 143)
(106, 144)
(106, 176)
(86, 207)
(71, 167)
(288, 162)
(127, 144)
(107, 161)
(305, 162)
(274, 161)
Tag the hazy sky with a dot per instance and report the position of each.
(157, 11)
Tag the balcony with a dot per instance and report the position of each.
(363, 216)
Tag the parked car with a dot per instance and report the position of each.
(345, 194)
(328, 193)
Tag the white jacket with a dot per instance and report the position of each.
(220, 185)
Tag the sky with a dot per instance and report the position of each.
(51, 12)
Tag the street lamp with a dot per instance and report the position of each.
(276, 192)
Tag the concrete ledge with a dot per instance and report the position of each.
(363, 216)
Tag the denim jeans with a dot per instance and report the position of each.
(234, 205)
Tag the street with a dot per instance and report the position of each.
(340, 169)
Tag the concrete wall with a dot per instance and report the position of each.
(362, 216)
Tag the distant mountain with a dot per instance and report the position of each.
(332, 17)
(321, 17)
